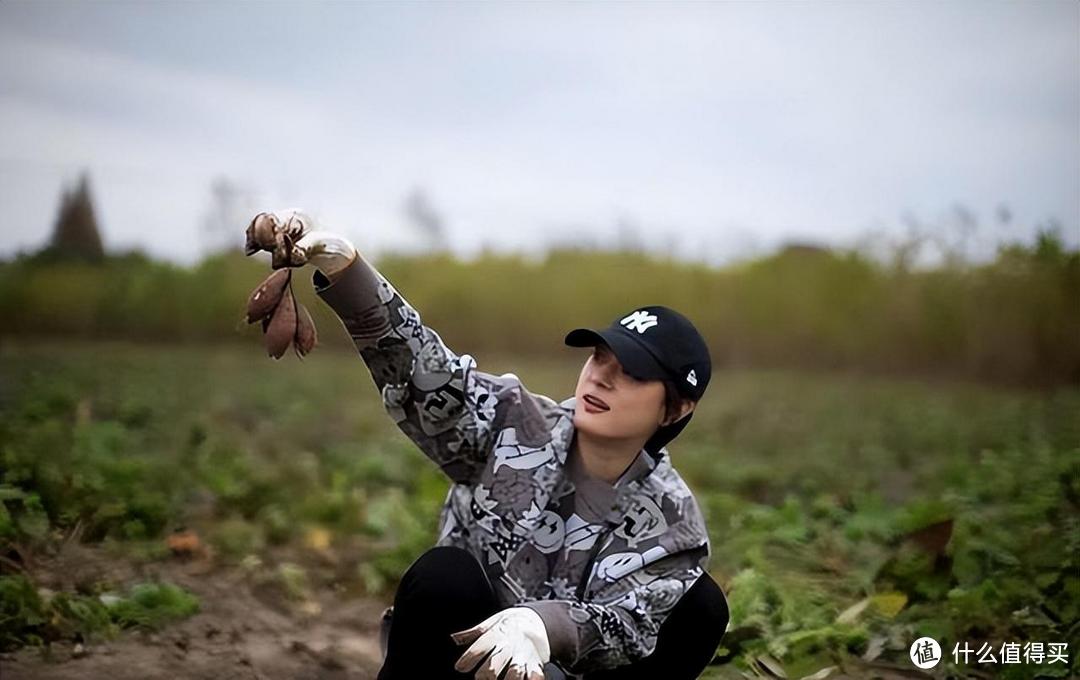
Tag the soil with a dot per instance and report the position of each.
(243, 630)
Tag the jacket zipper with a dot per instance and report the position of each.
(597, 547)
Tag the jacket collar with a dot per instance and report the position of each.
(651, 474)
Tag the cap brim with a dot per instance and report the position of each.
(583, 337)
(635, 359)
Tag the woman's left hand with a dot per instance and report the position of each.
(516, 638)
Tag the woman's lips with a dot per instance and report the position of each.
(594, 404)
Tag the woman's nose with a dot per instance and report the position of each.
(604, 373)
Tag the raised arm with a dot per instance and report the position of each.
(435, 396)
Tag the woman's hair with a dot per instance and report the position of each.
(672, 399)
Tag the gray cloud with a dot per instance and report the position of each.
(717, 127)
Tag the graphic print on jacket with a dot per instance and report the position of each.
(602, 565)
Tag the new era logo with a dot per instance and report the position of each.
(691, 378)
(639, 321)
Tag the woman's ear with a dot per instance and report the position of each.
(685, 407)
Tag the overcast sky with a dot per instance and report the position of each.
(716, 129)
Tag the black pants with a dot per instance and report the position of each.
(445, 590)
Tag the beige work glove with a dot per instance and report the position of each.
(517, 640)
(294, 239)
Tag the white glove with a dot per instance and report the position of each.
(519, 640)
(328, 251)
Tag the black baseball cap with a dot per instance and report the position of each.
(656, 343)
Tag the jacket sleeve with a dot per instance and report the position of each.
(435, 396)
(620, 624)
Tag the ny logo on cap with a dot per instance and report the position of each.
(691, 378)
(639, 321)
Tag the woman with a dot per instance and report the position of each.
(568, 545)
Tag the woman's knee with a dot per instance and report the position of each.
(444, 560)
(445, 573)
(710, 603)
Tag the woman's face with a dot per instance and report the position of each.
(635, 407)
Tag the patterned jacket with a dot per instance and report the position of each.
(505, 450)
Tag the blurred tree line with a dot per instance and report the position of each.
(1015, 319)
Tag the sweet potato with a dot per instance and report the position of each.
(260, 234)
(282, 328)
(305, 338)
(265, 298)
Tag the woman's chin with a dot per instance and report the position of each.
(591, 423)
